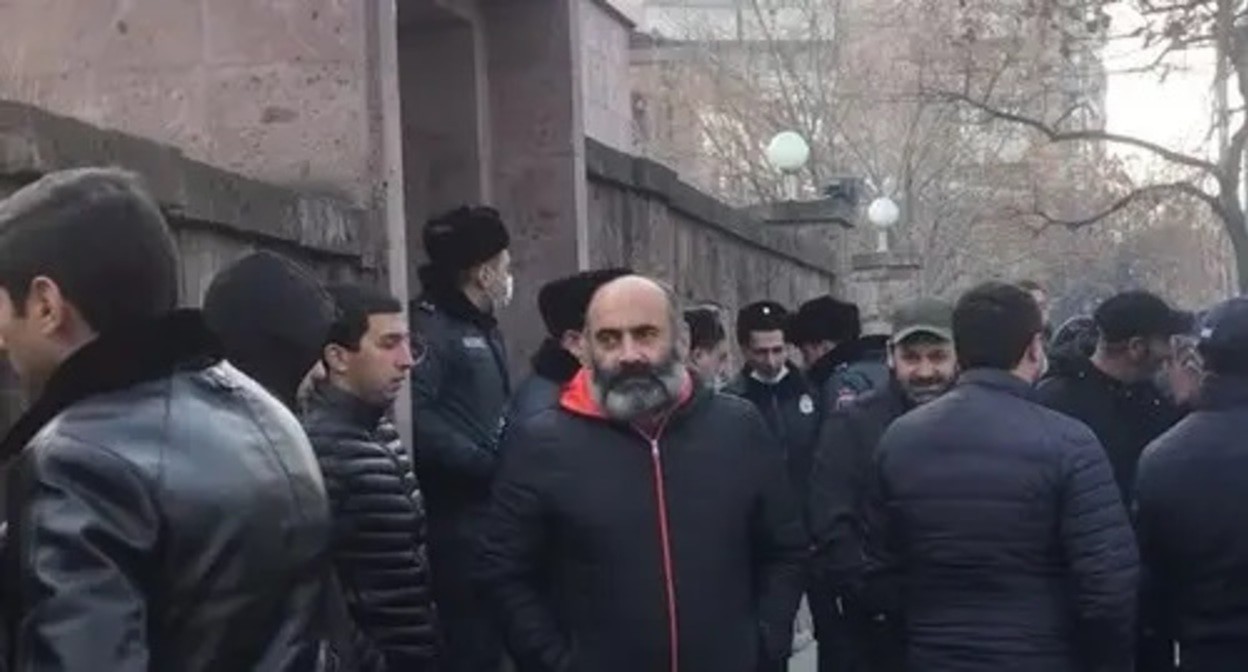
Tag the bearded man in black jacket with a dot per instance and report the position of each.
(646, 523)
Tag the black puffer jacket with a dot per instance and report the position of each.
(459, 395)
(1124, 417)
(1191, 504)
(379, 527)
(608, 551)
(995, 533)
(165, 513)
(791, 409)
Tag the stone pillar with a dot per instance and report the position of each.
(537, 148)
(879, 282)
(272, 90)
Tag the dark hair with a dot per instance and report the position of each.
(705, 330)
(1138, 314)
(1031, 286)
(99, 235)
(354, 303)
(993, 324)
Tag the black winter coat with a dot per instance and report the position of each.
(379, 528)
(996, 535)
(1125, 418)
(460, 390)
(850, 371)
(607, 551)
(844, 466)
(791, 410)
(1191, 504)
(553, 367)
(165, 513)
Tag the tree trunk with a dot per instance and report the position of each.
(1237, 231)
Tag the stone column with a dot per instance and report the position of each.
(537, 148)
(879, 282)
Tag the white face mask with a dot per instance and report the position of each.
(501, 291)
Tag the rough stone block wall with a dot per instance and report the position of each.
(642, 216)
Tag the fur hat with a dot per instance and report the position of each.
(824, 319)
(465, 237)
(563, 302)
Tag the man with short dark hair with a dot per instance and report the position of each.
(562, 304)
(708, 346)
(460, 390)
(1114, 391)
(840, 362)
(165, 511)
(924, 366)
(645, 523)
(379, 517)
(1191, 500)
(995, 534)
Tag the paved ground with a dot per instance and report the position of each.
(804, 661)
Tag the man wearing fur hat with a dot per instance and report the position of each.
(840, 361)
(459, 393)
(562, 303)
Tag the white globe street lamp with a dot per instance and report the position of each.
(883, 213)
(788, 152)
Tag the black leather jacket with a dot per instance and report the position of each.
(379, 528)
(165, 513)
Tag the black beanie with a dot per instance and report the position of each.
(272, 317)
(465, 237)
(563, 302)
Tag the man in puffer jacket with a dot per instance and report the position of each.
(379, 520)
(994, 529)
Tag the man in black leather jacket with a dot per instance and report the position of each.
(562, 304)
(165, 512)
(379, 517)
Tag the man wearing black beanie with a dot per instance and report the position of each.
(459, 393)
(562, 304)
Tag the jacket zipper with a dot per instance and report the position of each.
(665, 542)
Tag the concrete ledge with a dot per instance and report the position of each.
(660, 183)
(34, 142)
(886, 261)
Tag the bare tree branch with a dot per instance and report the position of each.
(1151, 191)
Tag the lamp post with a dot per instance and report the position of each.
(883, 213)
(788, 153)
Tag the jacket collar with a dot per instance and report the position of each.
(578, 396)
(1219, 392)
(999, 380)
(340, 405)
(793, 381)
(441, 291)
(845, 353)
(136, 354)
(554, 363)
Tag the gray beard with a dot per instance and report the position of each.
(635, 397)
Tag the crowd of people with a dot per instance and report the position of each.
(224, 489)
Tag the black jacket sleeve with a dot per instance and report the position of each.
(781, 547)
(1101, 553)
(879, 586)
(837, 480)
(440, 444)
(509, 565)
(379, 552)
(89, 522)
(1154, 652)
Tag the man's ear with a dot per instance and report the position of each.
(572, 342)
(46, 306)
(336, 358)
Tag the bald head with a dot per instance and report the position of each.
(632, 339)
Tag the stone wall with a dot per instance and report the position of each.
(605, 31)
(217, 216)
(641, 215)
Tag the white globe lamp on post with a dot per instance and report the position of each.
(788, 153)
(883, 213)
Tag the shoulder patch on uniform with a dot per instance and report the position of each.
(806, 404)
(844, 397)
(475, 343)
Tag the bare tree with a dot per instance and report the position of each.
(1170, 28)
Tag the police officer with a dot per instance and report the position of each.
(459, 394)
(840, 362)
